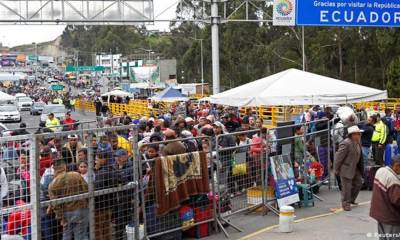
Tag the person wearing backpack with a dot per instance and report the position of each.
(389, 122)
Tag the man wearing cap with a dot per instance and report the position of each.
(123, 168)
(349, 165)
(73, 215)
(70, 151)
(52, 122)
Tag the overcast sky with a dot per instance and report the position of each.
(21, 34)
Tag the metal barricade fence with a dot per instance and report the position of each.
(18, 191)
(308, 146)
(73, 186)
(117, 187)
(88, 193)
(239, 168)
(79, 125)
(179, 197)
(241, 175)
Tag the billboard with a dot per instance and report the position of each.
(146, 73)
(368, 13)
(341, 13)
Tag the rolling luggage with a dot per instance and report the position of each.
(369, 176)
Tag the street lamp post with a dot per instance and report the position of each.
(149, 52)
(36, 57)
(202, 64)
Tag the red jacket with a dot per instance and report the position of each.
(257, 147)
(21, 219)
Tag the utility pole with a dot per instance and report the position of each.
(202, 64)
(215, 21)
(112, 68)
(77, 64)
(202, 67)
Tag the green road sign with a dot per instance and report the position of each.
(84, 69)
(57, 87)
(32, 57)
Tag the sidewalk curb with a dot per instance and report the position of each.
(267, 229)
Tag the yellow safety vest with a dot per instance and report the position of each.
(380, 133)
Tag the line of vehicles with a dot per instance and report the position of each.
(12, 112)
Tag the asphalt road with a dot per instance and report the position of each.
(32, 122)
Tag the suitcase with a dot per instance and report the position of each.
(369, 176)
(202, 230)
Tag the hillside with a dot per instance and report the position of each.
(51, 48)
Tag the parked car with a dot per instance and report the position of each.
(58, 110)
(24, 103)
(9, 113)
(20, 95)
(37, 108)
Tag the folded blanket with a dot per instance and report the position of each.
(178, 177)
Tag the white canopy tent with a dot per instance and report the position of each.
(118, 93)
(4, 97)
(296, 87)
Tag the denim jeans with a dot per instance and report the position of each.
(365, 152)
(77, 223)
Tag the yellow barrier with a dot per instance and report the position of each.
(270, 115)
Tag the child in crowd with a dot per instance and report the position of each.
(83, 170)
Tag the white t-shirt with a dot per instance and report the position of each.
(3, 184)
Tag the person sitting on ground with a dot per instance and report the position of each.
(385, 203)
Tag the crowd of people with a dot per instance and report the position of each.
(65, 165)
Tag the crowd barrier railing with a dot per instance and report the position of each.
(126, 182)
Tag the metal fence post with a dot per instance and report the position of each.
(264, 178)
(213, 189)
(92, 214)
(35, 187)
(304, 170)
(334, 153)
(329, 155)
(136, 176)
